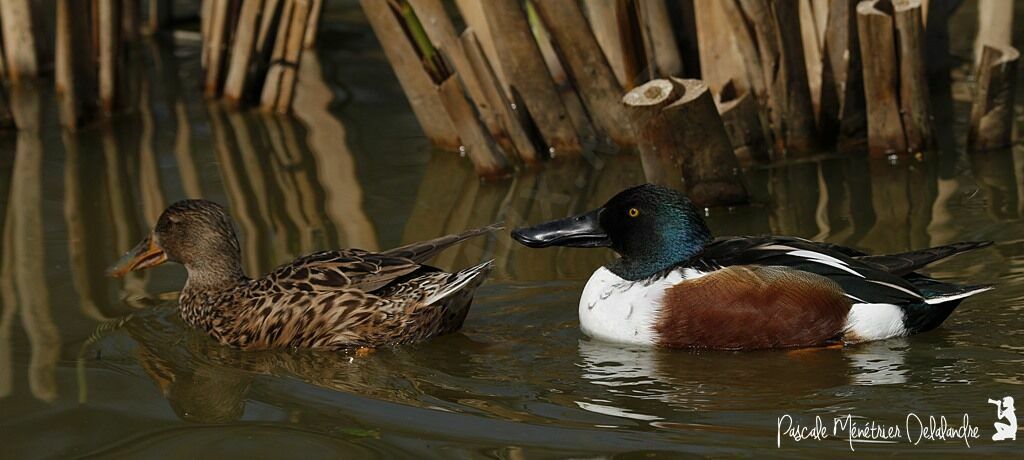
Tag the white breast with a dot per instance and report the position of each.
(622, 311)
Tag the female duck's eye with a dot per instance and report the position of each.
(633, 212)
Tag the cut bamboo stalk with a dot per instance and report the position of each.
(473, 14)
(241, 51)
(742, 121)
(605, 24)
(995, 25)
(205, 12)
(525, 147)
(679, 132)
(270, 10)
(75, 71)
(488, 159)
(790, 114)
(315, 13)
(110, 44)
(842, 114)
(992, 113)
(419, 88)
(590, 71)
(881, 77)
(292, 55)
(161, 12)
(441, 31)
(914, 103)
(524, 66)
(656, 28)
(19, 41)
(216, 45)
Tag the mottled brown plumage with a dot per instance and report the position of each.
(327, 300)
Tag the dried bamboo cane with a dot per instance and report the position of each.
(216, 45)
(241, 51)
(315, 12)
(74, 67)
(473, 13)
(109, 46)
(292, 55)
(992, 113)
(488, 159)
(161, 12)
(19, 39)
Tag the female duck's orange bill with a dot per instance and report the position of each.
(144, 255)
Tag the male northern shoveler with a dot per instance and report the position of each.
(676, 286)
(326, 300)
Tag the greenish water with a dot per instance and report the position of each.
(95, 367)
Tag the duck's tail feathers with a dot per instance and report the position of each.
(940, 299)
(468, 278)
(423, 251)
(907, 262)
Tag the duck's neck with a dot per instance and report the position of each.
(214, 274)
(671, 247)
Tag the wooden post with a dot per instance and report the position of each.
(776, 25)
(679, 131)
(216, 45)
(19, 41)
(995, 25)
(589, 69)
(842, 78)
(129, 21)
(813, 42)
(109, 47)
(74, 67)
(604, 21)
(292, 54)
(527, 73)
(727, 48)
(161, 12)
(419, 88)
(742, 120)
(992, 113)
(241, 51)
(315, 12)
(488, 159)
(665, 60)
(473, 13)
(524, 146)
(895, 86)
(441, 31)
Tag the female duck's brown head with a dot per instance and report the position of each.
(195, 233)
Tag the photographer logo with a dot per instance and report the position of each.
(1005, 411)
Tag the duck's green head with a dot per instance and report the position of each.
(652, 228)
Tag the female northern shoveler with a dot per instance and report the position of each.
(326, 300)
(675, 286)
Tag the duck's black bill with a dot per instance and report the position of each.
(582, 231)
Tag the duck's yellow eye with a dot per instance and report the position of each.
(633, 212)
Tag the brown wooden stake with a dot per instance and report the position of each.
(914, 103)
(518, 139)
(813, 44)
(524, 66)
(682, 140)
(272, 83)
(441, 31)
(605, 24)
(473, 14)
(216, 46)
(776, 25)
(881, 77)
(590, 71)
(241, 51)
(292, 55)
(419, 88)
(75, 71)
(992, 113)
(205, 12)
(995, 25)
(656, 29)
(487, 157)
(19, 41)
(109, 46)
(315, 12)
(727, 48)
(842, 78)
(740, 115)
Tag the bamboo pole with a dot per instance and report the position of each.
(524, 66)
(679, 133)
(292, 54)
(75, 71)
(109, 47)
(473, 14)
(488, 159)
(241, 51)
(995, 25)
(992, 113)
(656, 28)
(790, 113)
(523, 145)
(315, 13)
(881, 77)
(589, 69)
(418, 86)
(441, 31)
(161, 12)
(19, 40)
(216, 46)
